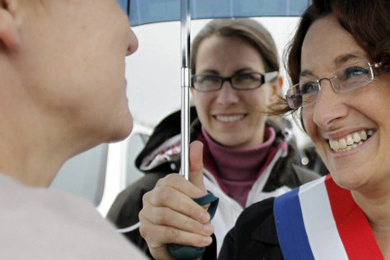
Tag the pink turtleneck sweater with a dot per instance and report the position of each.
(238, 169)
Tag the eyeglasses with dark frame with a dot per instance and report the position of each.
(240, 81)
(347, 78)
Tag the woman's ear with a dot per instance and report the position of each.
(192, 90)
(9, 34)
(277, 87)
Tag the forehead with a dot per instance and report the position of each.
(327, 45)
(221, 52)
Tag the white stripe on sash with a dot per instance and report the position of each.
(320, 225)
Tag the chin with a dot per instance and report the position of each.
(121, 129)
(119, 136)
(349, 179)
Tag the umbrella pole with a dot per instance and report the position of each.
(181, 251)
(185, 86)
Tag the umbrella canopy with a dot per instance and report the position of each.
(152, 11)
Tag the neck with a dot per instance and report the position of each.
(238, 169)
(35, 140)
(377, 211)
(33, 167)
(240, 164)
(32, 153)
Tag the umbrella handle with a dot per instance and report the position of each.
(189, 252)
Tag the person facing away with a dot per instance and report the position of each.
(247, 156)
(62, 92)
(339, 64)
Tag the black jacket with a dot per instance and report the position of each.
(254, 236)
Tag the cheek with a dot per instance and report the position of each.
(262, 95)
(202, 102)
(307, 123)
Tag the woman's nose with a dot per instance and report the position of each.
(328, 107)
(227, 95)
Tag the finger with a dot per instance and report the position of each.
(176, 201)
(179, 183)
(157, 248)
(164, 216)
(159, 236)
(196, 165)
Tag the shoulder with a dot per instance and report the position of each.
(255, 214)
(254, 236)
(68, 226)
(22, 197)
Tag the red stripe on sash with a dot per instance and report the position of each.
(352, 224)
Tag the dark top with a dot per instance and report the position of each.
(254, 235)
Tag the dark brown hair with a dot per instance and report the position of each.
(246, 29)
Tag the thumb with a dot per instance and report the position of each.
(196, 165)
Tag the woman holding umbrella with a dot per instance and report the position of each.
(247, 156)
(339, 65)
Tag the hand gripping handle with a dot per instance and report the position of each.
(189, 252)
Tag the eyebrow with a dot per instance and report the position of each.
(215, 72)
(338, 61)
(305, 73)
(212, 72)
(346, 57)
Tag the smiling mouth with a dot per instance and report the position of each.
(351, 141)
(229, 119)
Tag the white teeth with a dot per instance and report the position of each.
(363, 135)
(228, 119)
(342, 143)
(357, 137)
(351, 141)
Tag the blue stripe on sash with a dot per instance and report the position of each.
(290, 227)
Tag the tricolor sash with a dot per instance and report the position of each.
(321, 221)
